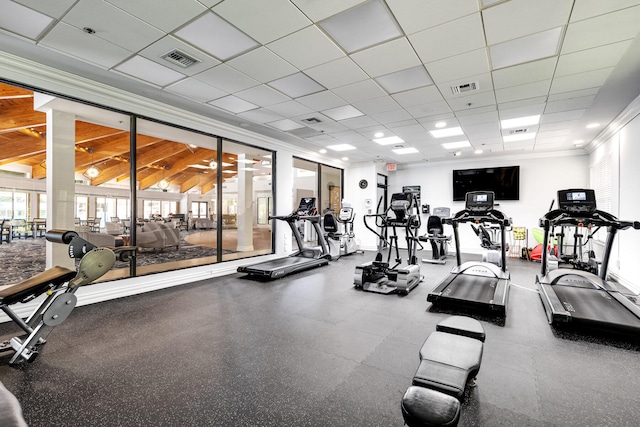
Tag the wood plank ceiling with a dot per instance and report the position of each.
(23, 141)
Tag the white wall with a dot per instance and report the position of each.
(540, 179)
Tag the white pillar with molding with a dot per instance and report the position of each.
(244, 221)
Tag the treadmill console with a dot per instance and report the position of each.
(400, 205)
(479, 201)
(577, 200)
(307, 207)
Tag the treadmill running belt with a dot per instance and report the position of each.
(595, 306)
(471, 288)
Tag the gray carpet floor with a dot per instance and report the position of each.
(310, 350)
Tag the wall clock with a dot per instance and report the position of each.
(363, 183)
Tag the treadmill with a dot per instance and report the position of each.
(578, 297)
(480, 285)
(306, 257)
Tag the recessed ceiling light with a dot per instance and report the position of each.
(341, 147)
(323, 151)
(378, 134)
(593, 125)
(520, 122)
(478, 151)
(389, 140)
(216, 36)
(455, 145)
(406, 150)
(345, 158)
(443, 133)
(361, 26)
(440, 125)
(519, 137)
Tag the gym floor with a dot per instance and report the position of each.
(310, 350)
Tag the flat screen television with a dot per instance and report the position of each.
(503, 181)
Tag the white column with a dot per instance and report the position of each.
(61, 156)
(244, 220)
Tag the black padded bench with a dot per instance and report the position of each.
(450, 359)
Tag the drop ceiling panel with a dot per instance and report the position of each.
(474, 111)
(74, 42)
(226, 78)
(529, 90)
(501, 22)
(166, 15)
(306, 48)
(573, 94)
(360, 91)
(52, 8)
(261, 115)
(459, 66)
(389, 117)
(416, 15)
(526, 111)
(525, 73)
(112, 24)
(321, 101)
(452, 38)
(337, 73)
(523, 103)
(547, 127)
(169, 43)
(262, 65)
(482, 131)
(319, 10)
(195, 89)
(290, 109)
(592, 59)
(587, 80)
(430, 109)
(583, 102)
(22, 20)
(262, 95)
(423, 95)
(476, 100)
(588, 9)
(264, 21)
(562, 116)
(233, 104)
(602, 30)
(402, 53)
(359, 122)
(474, 119)
(377, 105)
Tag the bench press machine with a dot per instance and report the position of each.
(449, 362)
(59, 285)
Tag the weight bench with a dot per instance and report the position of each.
(450, 359)
(58, 284)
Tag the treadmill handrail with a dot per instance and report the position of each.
(492, 216)
(596, 218)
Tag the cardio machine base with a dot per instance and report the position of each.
(370, 277)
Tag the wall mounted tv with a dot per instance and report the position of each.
(503, 181)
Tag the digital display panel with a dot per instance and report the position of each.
(577, 196)
(479, 197)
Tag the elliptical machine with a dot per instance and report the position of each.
(380, 276)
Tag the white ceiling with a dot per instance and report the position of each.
(271, 66)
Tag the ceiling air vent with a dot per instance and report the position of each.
(180, 58)
(312, 120)
(465, 87)
(518, 131)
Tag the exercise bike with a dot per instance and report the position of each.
(341, 240)
(436, 237)
(58, 285)
(380, 276)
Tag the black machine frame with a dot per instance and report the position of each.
(582, 297)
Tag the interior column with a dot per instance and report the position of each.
(244, 218)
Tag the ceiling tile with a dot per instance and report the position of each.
(342, 113)
(529, 90)
(74, 42)
(318, 10)
(22, 20)
(416, 15)
(262, 65)
(589, 79)
(261, 115)
(526, 104)
(112, 24)
(169, 43)
(404, 80)
(513, 113)
(359, 122)
(459, 66)
(562, 116)
(401, 51)
(306, 48)
(337, 73)
(389, 117)
(166, 15)
(262, 95)
(430, 109)
(602, 30)
(233, 104)
(588, 9)
(592, 59)
(475, 100)
(569, 104)
(296, 85)
(542, 69)
(226, 78)
(452, 38)
(290, 109)
(482, 131)
(476, 111)
(568, 125)
(264, 21)
(423, 95)
(525, 49)
(573, 94)
(52, 8)
(360, 91)
(321, 101)
(286, 125)
(195, 89)
(474, 119)
(377, 105)
(149, 71)
(501, 22)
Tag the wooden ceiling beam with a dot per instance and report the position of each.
(194, 181)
